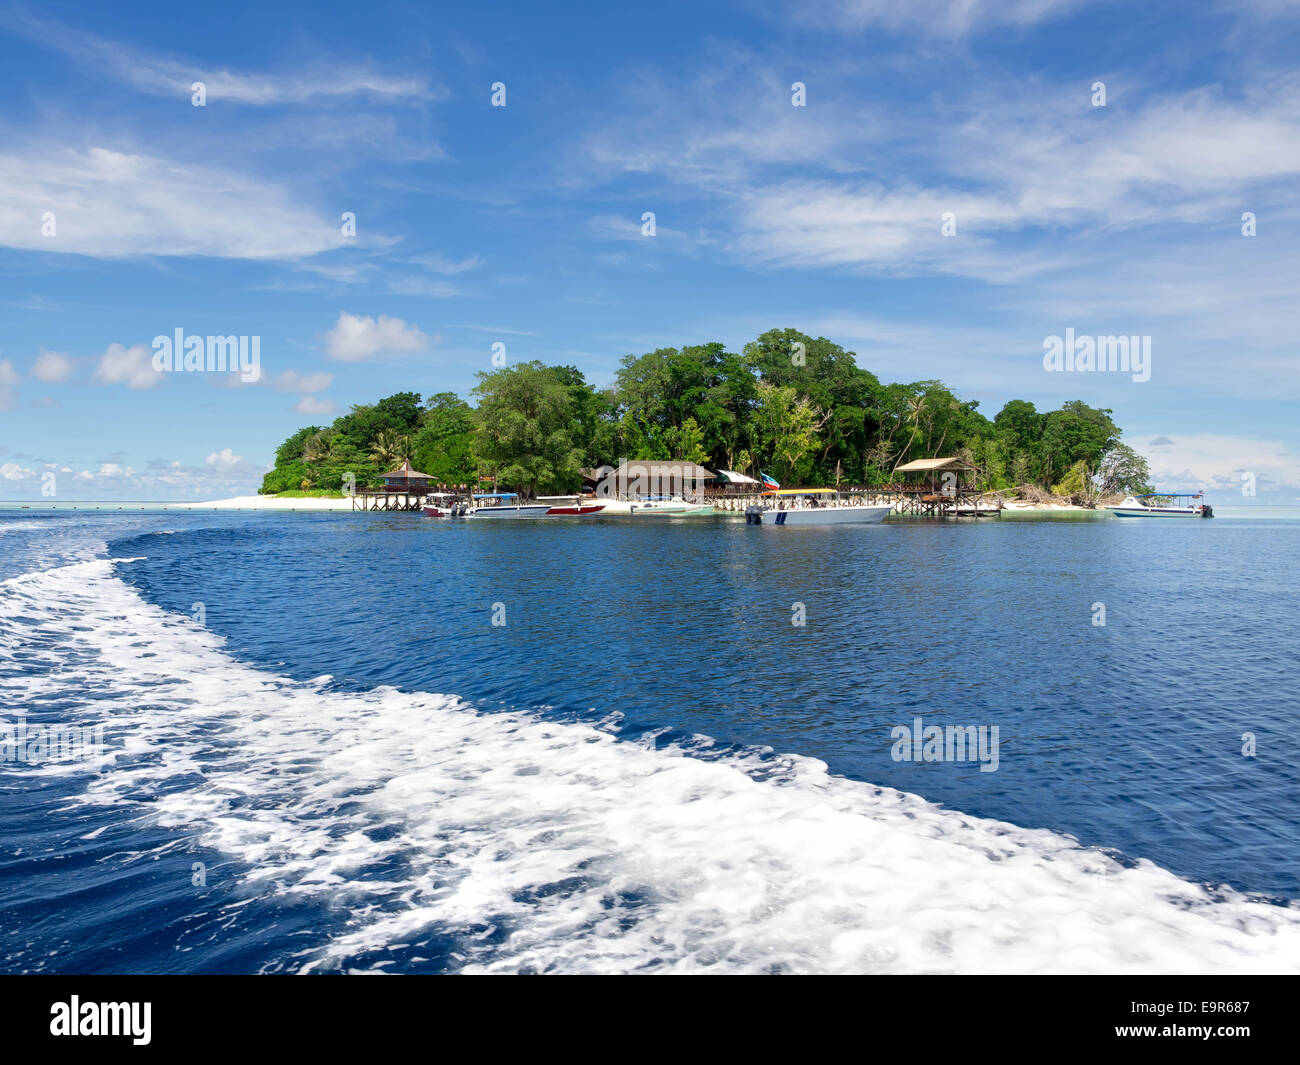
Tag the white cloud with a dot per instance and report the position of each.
(52, 366)
(312, 406)
(108, 471)
(11, 471)
(8, 375)
(225, 460)
(292, 381)
(356, 339)
(131, 366)
(834, 186)
(113, 204)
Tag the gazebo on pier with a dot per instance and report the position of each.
(938, 488)
(404, 489)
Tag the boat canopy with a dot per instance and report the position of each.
(497, 495)
(934, 465)
(803, 491)
(732, 477)
(1170, 495)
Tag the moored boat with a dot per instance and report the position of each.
(444, 505)
(671, 507)
(1163, 505)
(506, 505)
(815, 506)
(576, 510)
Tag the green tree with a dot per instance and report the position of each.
(789, 427)
(525, 422)
(390, 449)
(1123, 470)
(444, 445)
(1075, 433)
(292, 449)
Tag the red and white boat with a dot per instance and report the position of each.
(577, 510)
(443, 505)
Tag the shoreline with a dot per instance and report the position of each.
(323, 504)
(1014, 508)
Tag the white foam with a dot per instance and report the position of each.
(555, 847)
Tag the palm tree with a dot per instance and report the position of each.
(318, 446)
(390, 449)
(916, 407)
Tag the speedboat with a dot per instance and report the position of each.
(814, 506)
(667, 507)
(576, 510)
(1163, 505)
(444, 505)
(505, 505)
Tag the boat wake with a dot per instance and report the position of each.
(520, 844)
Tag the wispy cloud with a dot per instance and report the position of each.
(173, 76)
(113, 204)
(940, 18)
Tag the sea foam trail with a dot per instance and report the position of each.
(554, 847)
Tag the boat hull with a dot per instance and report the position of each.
(649, 510)
(823, 516)
(585, 511)
(1152, 512)
(537, 510)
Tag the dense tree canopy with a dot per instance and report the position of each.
(794, 406)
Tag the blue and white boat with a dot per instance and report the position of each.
(815, 506)
(505, 505)
(1163, 505)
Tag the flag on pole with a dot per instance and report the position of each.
(768, 482)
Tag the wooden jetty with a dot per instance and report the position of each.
(931, 488)
(403, 489)
(941, 488)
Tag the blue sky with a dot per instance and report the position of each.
(523, 224)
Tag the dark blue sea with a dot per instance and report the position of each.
(383, 743)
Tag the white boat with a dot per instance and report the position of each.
(1143, 506)
(672, 507)
(506, 505)
(444, 505)
(815, 506)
